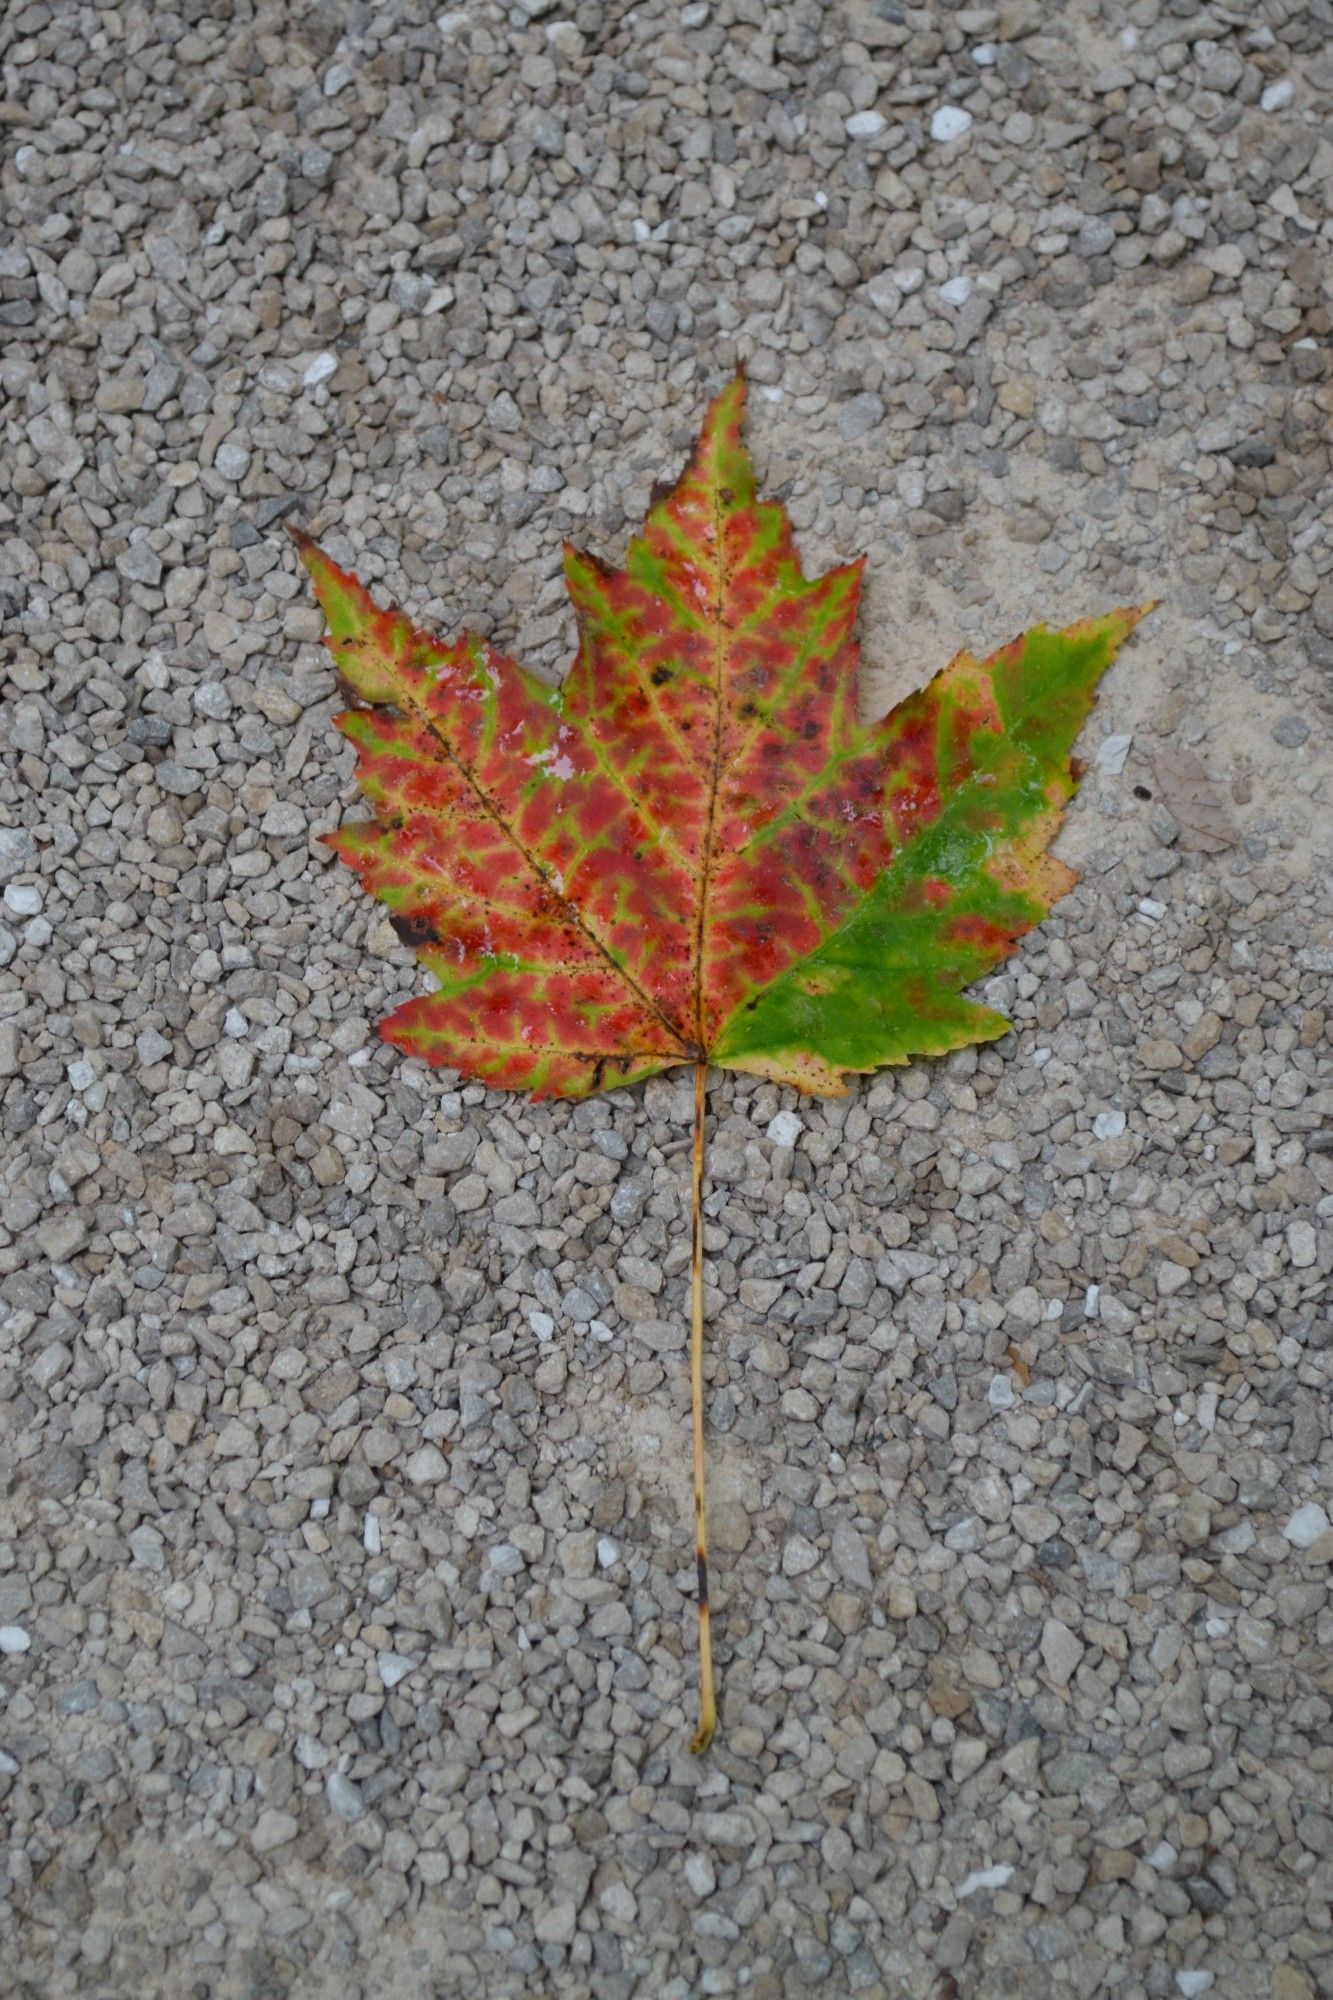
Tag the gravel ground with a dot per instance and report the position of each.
(346, 1635)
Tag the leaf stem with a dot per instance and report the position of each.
(707, 1703)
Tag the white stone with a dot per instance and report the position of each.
(427, 1466)
(1000, 1395)
(343, 1796)
(866, 125)
(13, 1639)
(319, 370)
(991, 1497)
(394, 1667)
(1111, 754)
(557, 1925)
(16, 850)
(232, 460)
(1194, 1982)
(785, 1129)
(957, 291)
(698, 1872)
(884, 294)
(798, 1556)
(273, 1829)
(1278, 95)
(23, 899)
(1061, 1652)
(949, 123)
(1306, 1525)
(984, 1878)
(284, 819)
(1302, 1243)
(504, 1560)
(619, 1903)
(1108, 1124)
(849, 1556)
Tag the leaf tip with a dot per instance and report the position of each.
(311, 554)
(728, 406)
(578, 562)
(1131, 615)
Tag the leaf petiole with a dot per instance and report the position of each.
(707, 1701)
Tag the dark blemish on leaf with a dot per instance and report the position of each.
(661, 675)
(809, 729)
(415, 931)
(1077, 766)
(701, 1573)
(726, 496)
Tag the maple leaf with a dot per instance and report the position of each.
(694, 850)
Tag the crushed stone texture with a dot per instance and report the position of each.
(346, 1619)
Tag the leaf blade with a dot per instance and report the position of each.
(695, 849)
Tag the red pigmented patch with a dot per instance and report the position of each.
(983, 935)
